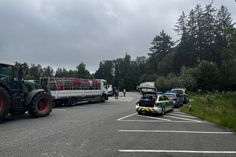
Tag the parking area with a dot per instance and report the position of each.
(114, 129)
(174, 134)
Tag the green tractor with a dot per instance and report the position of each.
(18, 96)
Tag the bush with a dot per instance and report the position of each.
(186, 78)
(168, 82)
(207, 76)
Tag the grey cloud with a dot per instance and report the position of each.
(63, 33)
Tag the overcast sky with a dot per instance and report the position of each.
(63, 33)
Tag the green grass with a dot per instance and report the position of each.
(219, 108)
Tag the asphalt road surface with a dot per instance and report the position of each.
(113, 129)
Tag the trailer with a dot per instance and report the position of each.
(70, 91)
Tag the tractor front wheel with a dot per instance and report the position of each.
(41, 105)
(4, 103)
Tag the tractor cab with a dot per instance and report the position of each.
(6, 73)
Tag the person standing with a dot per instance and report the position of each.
(124, 92)
(116, 93)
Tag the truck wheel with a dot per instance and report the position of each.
(70, 102)
(41, 105)
(4, 103)
(73, 101)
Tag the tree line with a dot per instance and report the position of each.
(203, 58)
(34, 72)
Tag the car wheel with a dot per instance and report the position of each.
(140, 112)
(163, 111)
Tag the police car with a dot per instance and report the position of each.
(151, 102)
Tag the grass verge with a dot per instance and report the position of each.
(219, 108)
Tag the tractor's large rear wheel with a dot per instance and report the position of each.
(41, 105)
(4, 103)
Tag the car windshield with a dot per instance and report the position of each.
(170, 96)
(177, 91)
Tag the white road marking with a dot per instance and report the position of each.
(181, 115)
(154, 118)
(177, 151)
(175, 131)
(182, 118)
(126, 116)
(159, 121)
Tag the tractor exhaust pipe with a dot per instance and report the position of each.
(21, 78)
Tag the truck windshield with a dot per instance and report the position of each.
(105, 84)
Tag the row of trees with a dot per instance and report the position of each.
(203, 58)
(34, 72)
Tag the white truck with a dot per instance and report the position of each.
(70, 91)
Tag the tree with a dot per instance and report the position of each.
(161, 46)
(228, 68)
(181, 26)
(82, 72)
(207, 76)
(187, 79)
(35, 71)
(105, 71)
(47, 72)
(223, 33)
(61, 72)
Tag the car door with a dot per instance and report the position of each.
(161, 101)
(180, 99)
(168, 104)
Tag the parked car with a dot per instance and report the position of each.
(182, 92)
(151, 102)
(175, 98)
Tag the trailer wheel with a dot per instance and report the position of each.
(73, 101)
(70, 102)
(4, 103)
(41, 105)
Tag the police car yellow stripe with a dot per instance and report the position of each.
(145, 109)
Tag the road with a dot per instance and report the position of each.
(113, 129)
